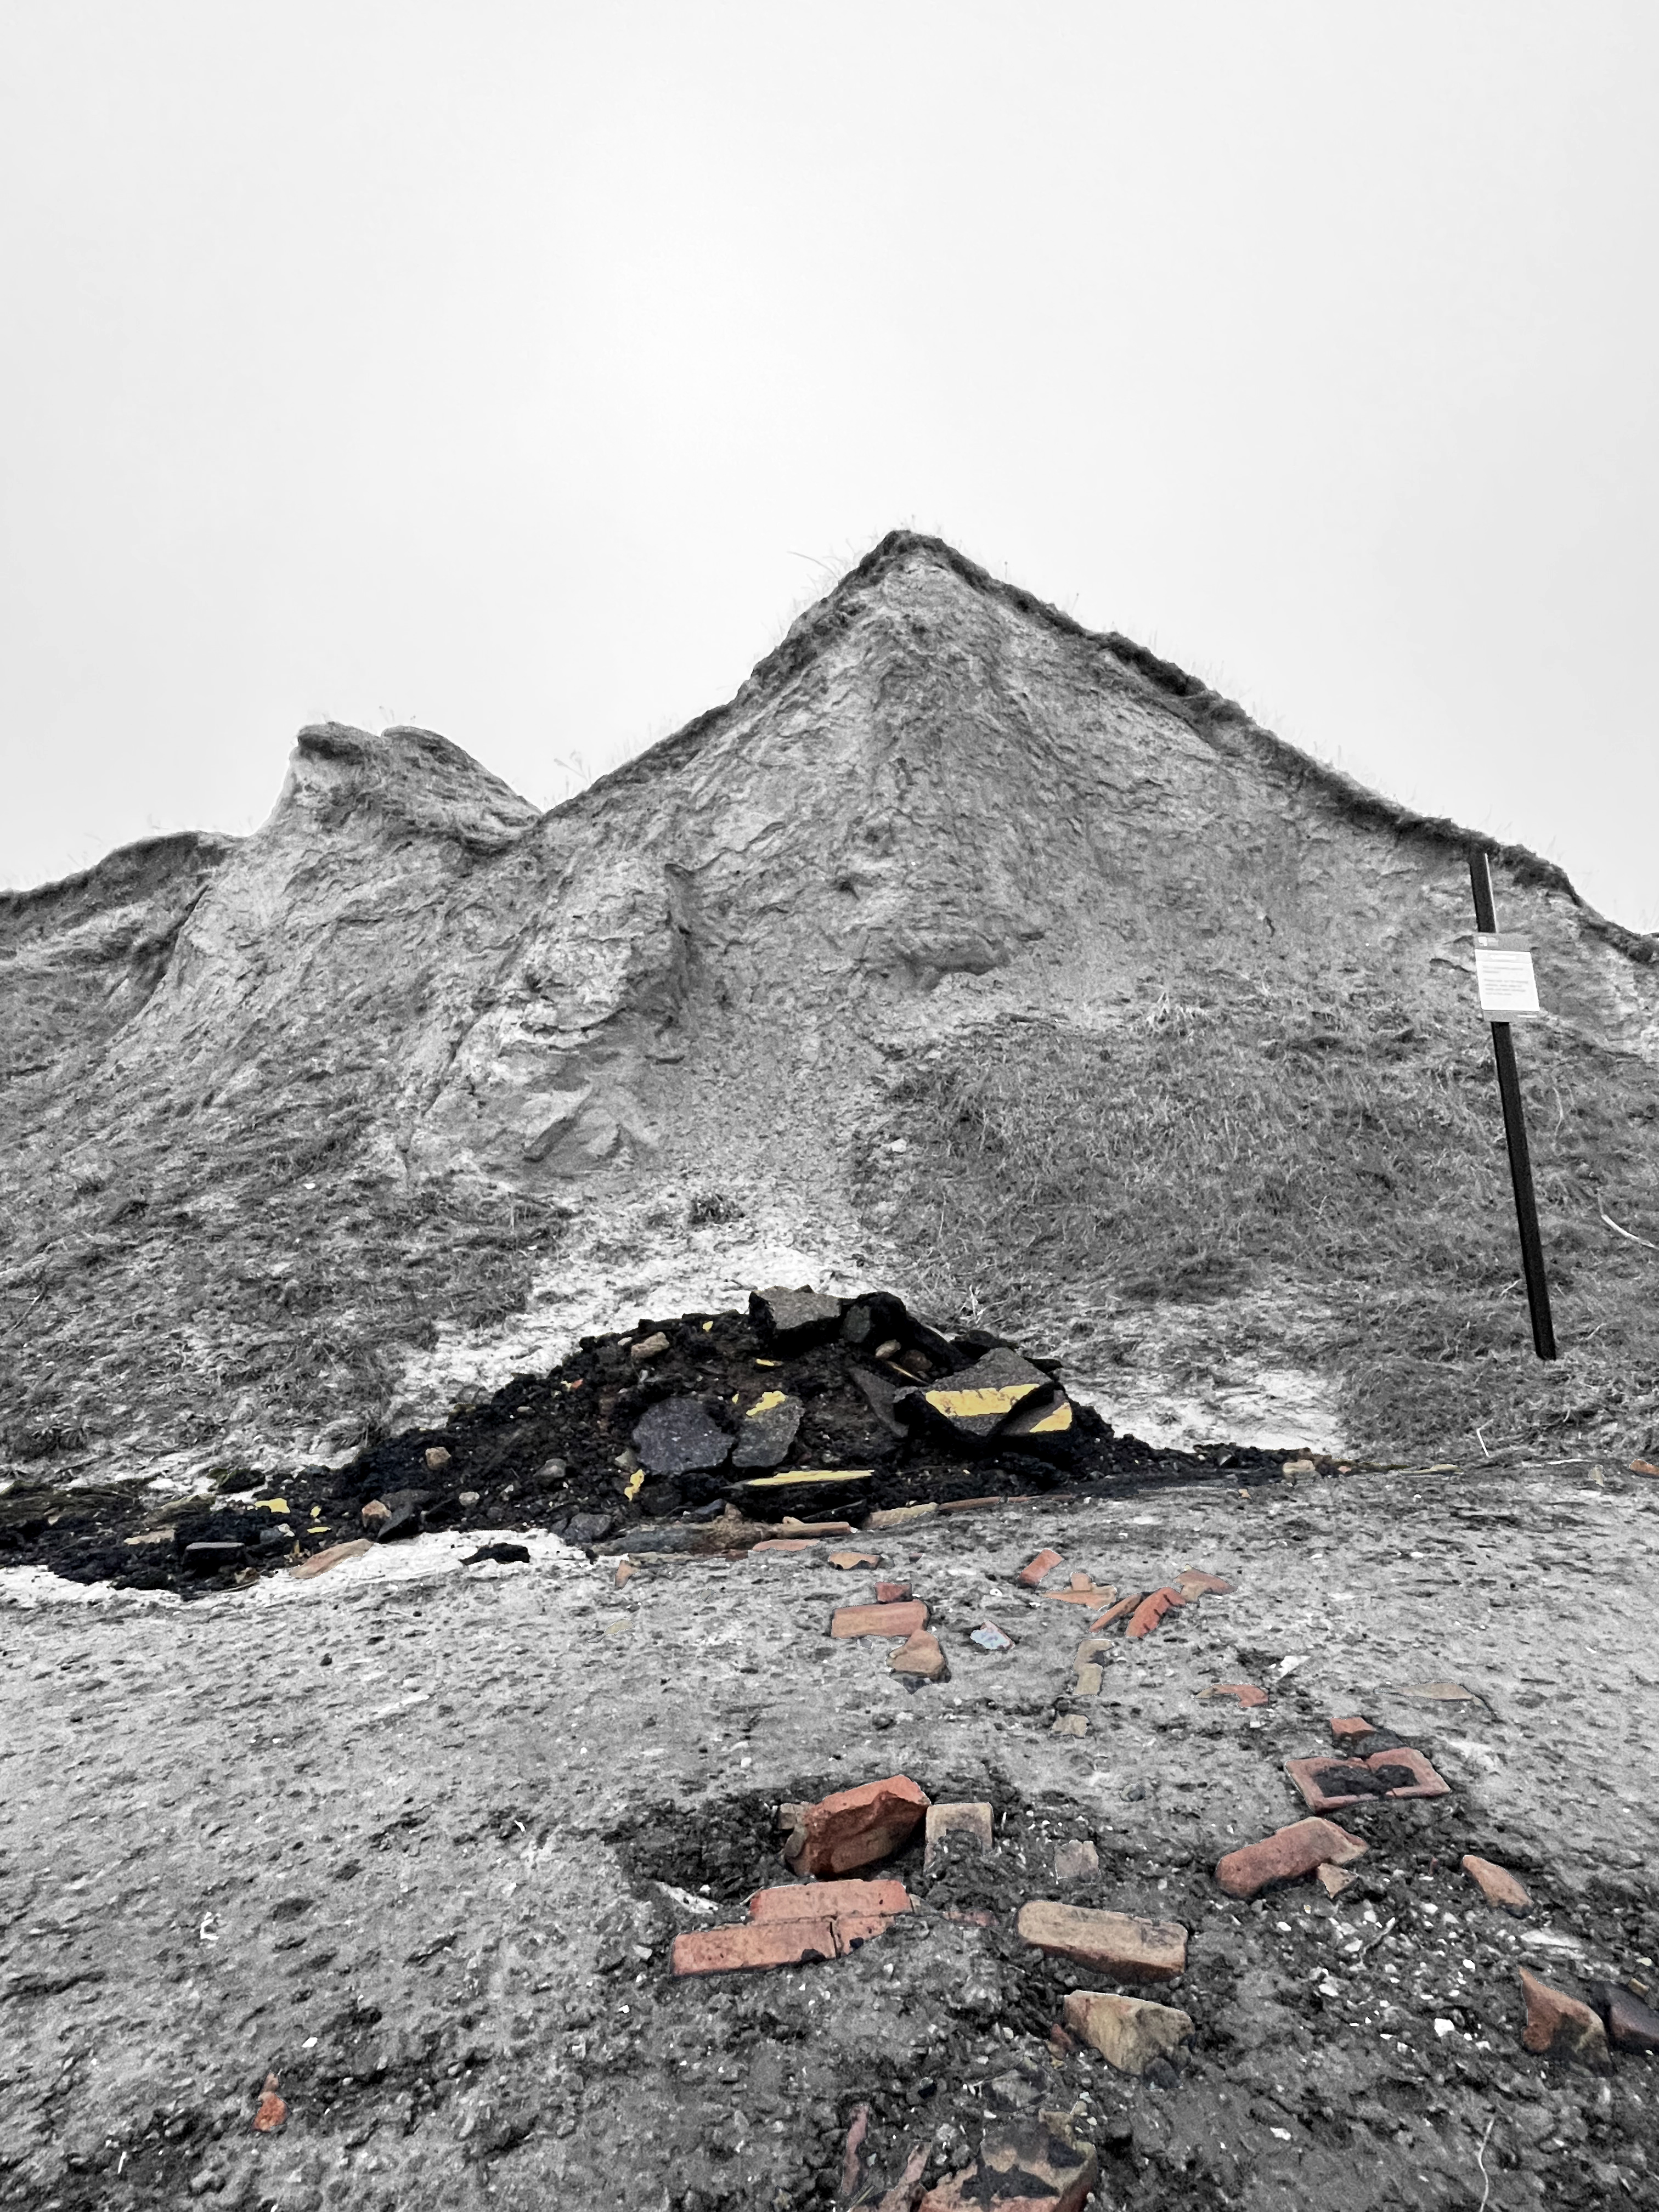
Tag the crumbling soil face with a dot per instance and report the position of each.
(420, 1849)
(550, 1448)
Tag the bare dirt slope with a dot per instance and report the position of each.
(304, 1132)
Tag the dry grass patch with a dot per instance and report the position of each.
(1198, 1154)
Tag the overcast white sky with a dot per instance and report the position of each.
(519, 370)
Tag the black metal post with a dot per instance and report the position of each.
(1514, 1132)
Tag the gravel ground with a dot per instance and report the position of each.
(416, 1839)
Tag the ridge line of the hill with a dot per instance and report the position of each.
(1205, 709)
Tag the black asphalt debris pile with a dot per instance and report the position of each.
(805, 1405)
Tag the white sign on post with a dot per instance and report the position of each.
(1504, 977)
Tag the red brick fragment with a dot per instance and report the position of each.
(854, 1827)
(1151, 1610)
(891, 1593)
(849, 2164)
(859, 1910)
(1127, 1948)
(1352, 1727)
(923, 1655)
(1125, 1605)
(1198, 1581)
(1497, 1884)
(1247, 1694)
(271, 2112)
(902, 2196)
(1035, 1570)
(1642, 1466)
(1082, 1592)
(752, 1944)
(847, 1560)
(967, 1504)
(879, 1620)
(1285, 1856)
(1320, 1780)
(814, 1901)
(1024, 2165)
(784, 1544)
(1556, 2021)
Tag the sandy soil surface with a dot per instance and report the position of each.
(416, 1839)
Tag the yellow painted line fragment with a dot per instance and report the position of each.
(1058, 1417)
(769, 1362)
(635, 1483)
(764, 1403)
(272, 1505)
(971, 1404)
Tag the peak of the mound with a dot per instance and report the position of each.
(410, 778)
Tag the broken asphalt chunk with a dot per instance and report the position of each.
(1562, 2024)
(854, 1827)
(207, 1559)
(790, 1321)
(975, 1401)
(677, 1435)
(500, 1555)
(1285, 1856)
(1117, 1943)
(1129, 2032)
(767, 1429)
(1632, 2025)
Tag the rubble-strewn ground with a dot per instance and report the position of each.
(416, 1839)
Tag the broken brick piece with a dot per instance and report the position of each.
(1082, 1592)
(1427, 1783)
(1329, 1784)
(1119, 1944)
(1151, 1610)
(1035, 1570)
(814, 1901)
(270, 2110)
(891, 1593)
(1088, 1682)
(1556, 2021)
(902, 2196)
(1246, 1694)
(647, 1347)
(1351, 1727)
(335, 1556)
(1125, 1605)
(1198, 1581)
(879, 1620)
(1334, 1880)
(1070, 1724)
(1076, 1859)
(1285, 1856)
(1497, 1884)
(854, 1827)
(1023, 2165)
(845, 1561)
(1129, 2032)
(784, 1544)
(947, 1824)
(752, 1944)
(920, 1655)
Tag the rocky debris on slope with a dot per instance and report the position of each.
(857, 1406)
